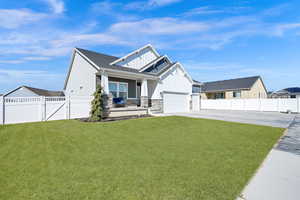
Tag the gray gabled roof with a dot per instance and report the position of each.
(289, 91)
(103, 60)
(40, 92)
(231, 84)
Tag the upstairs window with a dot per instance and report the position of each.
(157, 67)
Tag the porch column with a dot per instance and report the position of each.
(106, 97)
(144, 93)
(104, 83)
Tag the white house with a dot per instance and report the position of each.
(142, 78)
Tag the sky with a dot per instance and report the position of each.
(213, 39)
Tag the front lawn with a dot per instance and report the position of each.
(164, 158)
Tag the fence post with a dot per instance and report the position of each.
(67, 104)
(260, 106)
(2, 110)
(43, 108)
(298, 105)
(200, 101)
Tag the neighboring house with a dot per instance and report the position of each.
(292, 92)
(143, 78)
(25, 91)
(244, 88)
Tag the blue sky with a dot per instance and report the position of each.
(213, 39)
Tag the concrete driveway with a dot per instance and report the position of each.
(251, 117)
(278, 178)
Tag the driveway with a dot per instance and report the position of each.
(278, 178)
(251, 117)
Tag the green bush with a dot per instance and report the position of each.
(96, 110)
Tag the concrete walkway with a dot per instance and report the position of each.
(279, 176)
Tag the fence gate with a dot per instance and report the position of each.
(195, 102)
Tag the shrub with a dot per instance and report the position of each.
(97, 104)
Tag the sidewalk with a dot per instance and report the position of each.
(279, 176)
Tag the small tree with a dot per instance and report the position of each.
(96, 111)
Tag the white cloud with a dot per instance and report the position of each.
(56, 6)
(88, 39)
(36, 58)
(162, 2)
(11, 61)
(148, 5)
(12, 78)
(14, 18)
(158, 26)
(205, 10)
(280, 29)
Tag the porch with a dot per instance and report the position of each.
(127, 95)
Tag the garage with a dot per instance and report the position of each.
(175, 102)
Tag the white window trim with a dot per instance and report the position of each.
(118, 87)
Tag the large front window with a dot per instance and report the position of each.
(220, 95)
(118, 89)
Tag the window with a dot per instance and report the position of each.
(236, 94)
(293, 96)
(118, 89)
(123, 90)
(113, 89)
(220, 95)
(157, 67)
(196, 89)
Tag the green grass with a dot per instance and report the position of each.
(165, 158)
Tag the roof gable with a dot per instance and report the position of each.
(231, 84)
(39, 92)
(125, 60)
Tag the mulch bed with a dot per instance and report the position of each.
(111, 119)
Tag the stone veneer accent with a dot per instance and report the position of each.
(157, 105)
(107, 103)
(144, 101)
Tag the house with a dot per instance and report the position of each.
(292, 92)
(25, 91)
(143, 78)
(244, 88)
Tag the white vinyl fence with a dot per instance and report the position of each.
(34, 109)
(275, 105)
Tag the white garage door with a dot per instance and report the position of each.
(175, 102)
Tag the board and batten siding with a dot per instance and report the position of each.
(174, 80)
(137, 61)
(82, 78)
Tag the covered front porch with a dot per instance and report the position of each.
(126, 91)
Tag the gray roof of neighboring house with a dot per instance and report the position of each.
(103, 60)
(290, 91)
(41, 92)
(231, 84)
